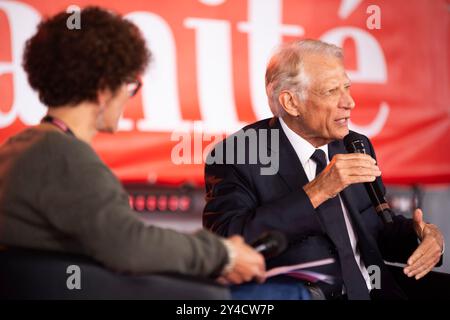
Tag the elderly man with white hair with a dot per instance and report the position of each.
(317, 198)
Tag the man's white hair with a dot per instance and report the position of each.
(285, 70)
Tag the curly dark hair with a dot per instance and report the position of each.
(67, 66)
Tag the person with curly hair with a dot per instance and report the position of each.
(55, 192)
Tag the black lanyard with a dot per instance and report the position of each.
(58, 123)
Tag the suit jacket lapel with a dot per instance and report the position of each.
(292, 173)
(290, 168)
(337, 147)
(368, 246)
(350, 198)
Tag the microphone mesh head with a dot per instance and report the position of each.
(354, 142)
(274, 243)
(281, 240)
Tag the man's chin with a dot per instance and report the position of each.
(341, 133)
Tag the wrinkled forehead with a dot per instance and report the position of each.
(322, 70)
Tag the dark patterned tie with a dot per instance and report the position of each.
(332, 216)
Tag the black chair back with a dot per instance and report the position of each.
(35, 274)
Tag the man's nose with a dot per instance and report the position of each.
(347, 101)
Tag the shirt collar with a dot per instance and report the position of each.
(302, 147)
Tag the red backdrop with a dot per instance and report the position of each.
(208, 68)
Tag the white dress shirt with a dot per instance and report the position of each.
(304, 152)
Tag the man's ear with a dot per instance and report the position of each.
(103, 96)
(289, 102)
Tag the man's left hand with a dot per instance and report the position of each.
(429, 252)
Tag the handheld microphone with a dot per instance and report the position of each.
(354, 143)
(270, 244)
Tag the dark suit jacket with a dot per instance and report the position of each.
(242, 201)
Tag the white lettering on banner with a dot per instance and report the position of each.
(214, 73)
(160, 101)
(265, 29)
(347, 7)
(376, 125)
(370, 62)
(25, 106)
(214, 63)
(212, 2)
(370, 67)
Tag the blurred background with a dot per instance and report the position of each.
(206, 80)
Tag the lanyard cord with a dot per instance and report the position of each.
(58, 123)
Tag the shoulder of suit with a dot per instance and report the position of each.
(264, 124)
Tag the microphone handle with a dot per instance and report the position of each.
(386, 216)
(381, 206)
(260, 248)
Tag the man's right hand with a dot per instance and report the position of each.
(342, 171)
(247, 265)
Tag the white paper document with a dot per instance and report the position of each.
(297, 271)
